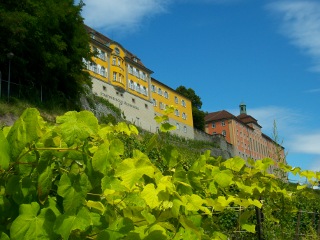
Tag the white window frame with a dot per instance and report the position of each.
(131, 84)
(154, 102)
(185, 129)
(102, 71)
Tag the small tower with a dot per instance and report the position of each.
(243, 108)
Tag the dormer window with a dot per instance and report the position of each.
(117, 51)
(135, 59)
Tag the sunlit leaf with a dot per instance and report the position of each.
(150, 195)
(249, 227)
(66, 223)
(235, 164)
(97, 206)
(4, 152)
(28, 128)
(131, 170)
(77, 126)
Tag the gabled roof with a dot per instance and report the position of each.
(248, 119)
(218, 116)
(102, 39)
(225, 115)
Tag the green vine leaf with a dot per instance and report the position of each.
(118, 229)
(219, 236)
(235, 164)
(132, 170)
(150, 195)
(4, 236)
(166, 127)
(4, 152)
(97, 206)
(74, 190)
(249, 227)
(67, 223)
(224, 178)
(77, 126)
(31, 225)
(44, 184)
(28, 128)
(100, 161)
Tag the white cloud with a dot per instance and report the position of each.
(306, 143)
(313, 90)
(286, 119)
(301, 23)
(315, 166)
(121, 15)
(211, 1)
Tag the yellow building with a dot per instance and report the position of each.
(120, 76)
(163, 96)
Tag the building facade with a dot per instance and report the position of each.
(163, 96)
(121, 78)
(244, 133)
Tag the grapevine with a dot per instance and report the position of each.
(75, 180)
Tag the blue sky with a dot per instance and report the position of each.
(264, 53)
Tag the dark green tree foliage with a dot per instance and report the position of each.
(197, 113)
(49, 41)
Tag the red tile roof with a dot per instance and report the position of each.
(218, 116)
(248, 119)
(99, 37)
(223, 114)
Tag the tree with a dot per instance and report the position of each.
(49, 43)
(191, 95)
(197, 114)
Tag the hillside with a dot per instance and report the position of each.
(108, 113)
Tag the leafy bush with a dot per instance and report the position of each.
(76, 179)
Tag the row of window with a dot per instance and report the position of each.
(118, 77)
(117, 61)
(165, 94)
(92, 66)
(223, 123)
(136, 87)
(184, 127)
(163, 106)
(136, 72)
(223, 133)
(99, 53)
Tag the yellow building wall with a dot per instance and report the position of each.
(138, 81)
(118, 72)
(118, 66)
(163, 96)
(101, 59)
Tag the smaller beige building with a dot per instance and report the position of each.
(244, 133)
